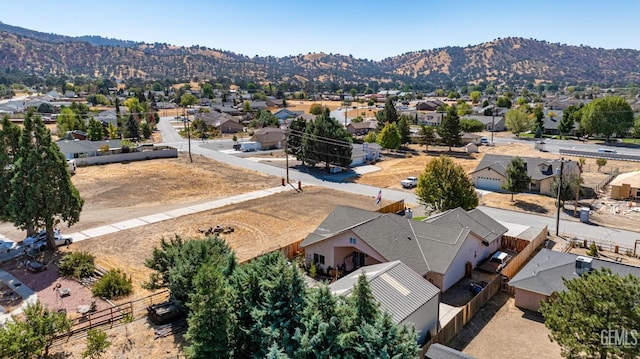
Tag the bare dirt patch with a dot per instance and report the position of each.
(502, 330)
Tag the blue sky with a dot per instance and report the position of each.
(365, 29)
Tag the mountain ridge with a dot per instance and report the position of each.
(510, 60)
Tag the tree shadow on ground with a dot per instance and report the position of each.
(530, 207)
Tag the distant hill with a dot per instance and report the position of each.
(60, 39)
(508, 60)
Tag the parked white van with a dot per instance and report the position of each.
(72, 166)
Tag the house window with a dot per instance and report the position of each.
(318, 258)
(352, 241)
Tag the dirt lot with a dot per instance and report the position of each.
(501, 330)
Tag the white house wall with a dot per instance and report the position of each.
(336, 248)
(472, 250)
(425, 319)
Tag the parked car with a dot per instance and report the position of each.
(484, 141)
(6, 246)
(39, 240)
(410, 182)
(497, 261)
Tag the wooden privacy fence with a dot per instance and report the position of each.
(110, 317)
(454, 326)
(395, 207)
(290, 251)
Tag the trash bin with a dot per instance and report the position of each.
(584, 214)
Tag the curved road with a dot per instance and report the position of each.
(569, 226)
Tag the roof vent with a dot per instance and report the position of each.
(583, 265)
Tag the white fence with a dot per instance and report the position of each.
(164, 152)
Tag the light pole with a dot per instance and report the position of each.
(493, 123)
(559, 189)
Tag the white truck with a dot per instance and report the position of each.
(410, 182)
(249, 146)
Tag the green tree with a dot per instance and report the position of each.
(95, 131)
(592, 305)
(50, 196)
(246, 107)
(210, 316)
(538, 114)
(133, 128)
(463, 108)
(389, 137)
(146, 129)
(404, 129)
(187, 100)
(322, 325)
(567, 123)
(33, 333)
(97, 344)
(9, 148)
(449, 128)
(295, 136)
(371, 137)
(475, 96)
(445, 185)
(503, 102)
(568, 190)
(175, 261)
(607, 116)
(471, 125)
(517, 121)
(68, 121)
(207, 90)
(426, 136)
(390, 112)
(316, 109)
(517, 178)
(113, 131)
(601, 162)
(327, 141)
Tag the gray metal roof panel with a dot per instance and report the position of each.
(399, 290)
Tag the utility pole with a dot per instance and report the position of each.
(286, 153)
(559, 192)
(493, 122)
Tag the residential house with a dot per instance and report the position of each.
(224, 122)
(430, 105)
(550, 123)
(273, 102)
(491, 172)
(626, 186)
(362, 128)
(439, 351)
(366, 152)
(468, 138)
(543, 275)
(284, 114)
(491, 123)
(429, 119)
(85, 148)
(350, 238)
(410, 299)
(269, 137)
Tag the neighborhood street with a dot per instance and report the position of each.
(569, 227)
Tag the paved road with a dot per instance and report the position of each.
(569, 227)
(554, 145)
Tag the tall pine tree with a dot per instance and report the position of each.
(42, 192)
(449, 128)
(328, 142)
(9, 147)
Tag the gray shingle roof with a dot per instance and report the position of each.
(424, 247)
(537, 168)
(399, 290)
(543, 274)
(477, 221)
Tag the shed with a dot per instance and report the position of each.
(410, 299)
(471, 148)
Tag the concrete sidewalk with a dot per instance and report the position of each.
(159, 217)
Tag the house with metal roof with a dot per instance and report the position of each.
(439, 251)
(543, 275)
(410, 299)
(439, 351)
(491, 172)
(85, 148)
